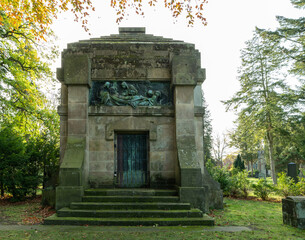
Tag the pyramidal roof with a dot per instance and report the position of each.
(129, 35)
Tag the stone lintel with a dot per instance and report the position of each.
(165, 78)
(156, 111)
(136, 74)
(131, 124)
(77, 70)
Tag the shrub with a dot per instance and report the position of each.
(240, 185)
(16, 171)
(234, 171)
(262, 189)
(286, 185)
(221, 175)
(300, 186)
(26, 163)
(236, 185)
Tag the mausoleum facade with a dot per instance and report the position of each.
(131, 117)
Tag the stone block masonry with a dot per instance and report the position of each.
(131, 117)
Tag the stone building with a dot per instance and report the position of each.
(131, 117)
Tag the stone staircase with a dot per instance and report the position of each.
(129, 207)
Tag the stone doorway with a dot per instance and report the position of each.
(132, 160)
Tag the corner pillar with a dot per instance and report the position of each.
(74, 168)
(184, 78)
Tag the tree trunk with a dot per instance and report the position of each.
(272, 163)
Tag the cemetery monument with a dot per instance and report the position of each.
(131, 133)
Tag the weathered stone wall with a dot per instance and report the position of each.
(102, 129)
(133, 61)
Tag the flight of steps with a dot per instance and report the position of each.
(130, 207)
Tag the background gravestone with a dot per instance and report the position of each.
(292, 171)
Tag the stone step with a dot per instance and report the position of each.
(172, 199)
(67, 212)
(131, 192)
(130, 205)
(202, 221)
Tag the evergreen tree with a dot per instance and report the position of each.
(246, 139)
(291, 38)
(264, 101)
(291, 35)
(239, 164)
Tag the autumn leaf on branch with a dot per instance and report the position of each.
(193, 10)
(41, 13)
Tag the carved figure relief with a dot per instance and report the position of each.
(132, 94)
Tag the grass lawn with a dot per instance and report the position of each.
(26, 212)
(264, 218)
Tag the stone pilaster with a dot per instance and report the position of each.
(74, 168)
(185, 70)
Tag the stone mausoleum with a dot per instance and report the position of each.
(131, 122)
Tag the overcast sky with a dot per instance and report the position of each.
(230, 24)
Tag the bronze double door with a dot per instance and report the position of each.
(132, 160)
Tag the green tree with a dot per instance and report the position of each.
(291, 35)
(21, 69)
(246, 139)
(24, 108)
(264, 100)
(290, 144)
(239, 164)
